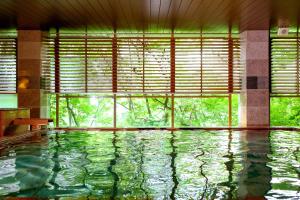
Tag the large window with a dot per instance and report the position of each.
(124, 80)
(142, 111)
(84, 111)
(206, 111)
(285, 79)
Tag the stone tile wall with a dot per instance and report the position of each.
(29, 70)
(255, 103)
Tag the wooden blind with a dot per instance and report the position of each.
(79, 63)
(145, 63)
(72, 65)
(8, 65)
(208, 64)
(99, 65)
(236, 65)
(130, 65)
(285, 65)
(157, 65)
(48, 74)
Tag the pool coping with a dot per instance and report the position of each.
(13, 139)
(181, 128)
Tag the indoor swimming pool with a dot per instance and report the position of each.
(154, 164)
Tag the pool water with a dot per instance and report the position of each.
(154, 165)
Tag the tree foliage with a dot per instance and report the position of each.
(143, 111)
(285, 111)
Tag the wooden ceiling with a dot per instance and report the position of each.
(147, 14)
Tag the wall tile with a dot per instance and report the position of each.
(257, 67)
(258, 98)
(257, 50)
(29, 66)
(263, 82)
(29, 35)
(257, 36)
(29, 50)
(257, 116)
(251, 82)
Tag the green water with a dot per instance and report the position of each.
(154, 165)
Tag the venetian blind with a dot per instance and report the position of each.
(207, 64)
(143, 63)
(285, 77)
(8, 65)
(77, 63)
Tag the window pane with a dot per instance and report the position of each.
(86, 112)
(285, 111)
(235, 109)
(52, 109)
(8, 101)
(201, 112)
(143, 112)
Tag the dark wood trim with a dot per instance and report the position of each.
(17, 66)
(230, 63)
(270, 74)
(115, 111)
(201, 62)
(230, 110)
(172, 112)
(143, 43)
(297, 60)
(57, 63)
(172, 62)
(288, 96)
(145, 95)
(57, 98)
(114, 64)
(86, 60)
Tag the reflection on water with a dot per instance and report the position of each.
(255, 177)
(155, 165)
